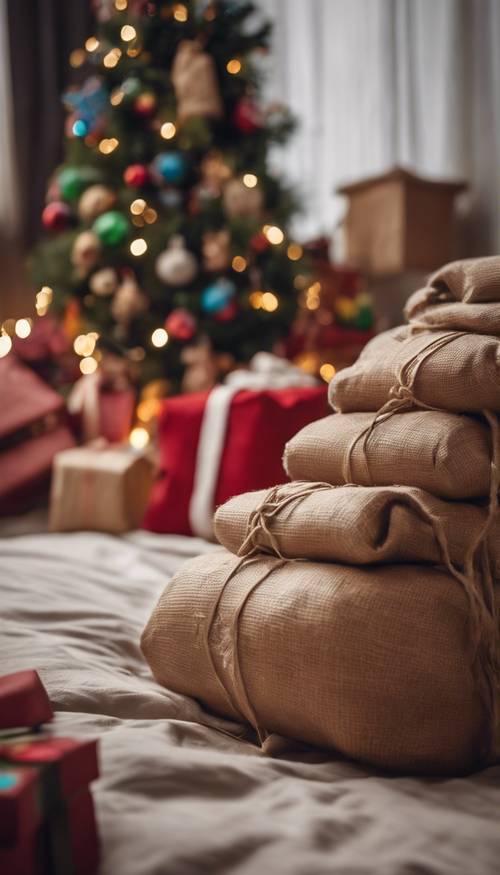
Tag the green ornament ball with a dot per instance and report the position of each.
(111, 228)
(72, 181)
(364, 319)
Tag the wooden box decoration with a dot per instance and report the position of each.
(398, 222)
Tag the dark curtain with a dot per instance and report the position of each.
(42, 35)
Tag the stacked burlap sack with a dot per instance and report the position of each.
(355, 608)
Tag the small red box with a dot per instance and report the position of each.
(24, 702)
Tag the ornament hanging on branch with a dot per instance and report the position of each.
(216, 296)
(216, 250)
(85, 253)
(89, 106)
(56, 216)
(195, 82)
(95, 200)
(104, 282)
(201, 365)
(111, 228)
(171, 167)
(145, 104)
(247, 116)
(136, 175)
(72, 181)
(180, 324)
(214, 173)
(241, 202)
(176, 266)
(129, 301)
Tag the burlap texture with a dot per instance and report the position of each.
(460, 375)
(352, 524)
(370, 662)
(430, 309)
(471, 280)
(444, 453)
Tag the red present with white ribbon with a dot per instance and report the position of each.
(217, 444)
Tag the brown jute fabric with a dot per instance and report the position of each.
(431, 309)
(471, 280)
(374, 663)
(453, 371)
(444, 453)
(352, 524)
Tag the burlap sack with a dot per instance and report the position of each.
(471, 280)
(429, 309)
(352, 524)
(371, 662)
(444, 453)
(446, 370)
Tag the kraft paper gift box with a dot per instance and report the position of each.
(99, 489)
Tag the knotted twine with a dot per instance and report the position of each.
(475, 578)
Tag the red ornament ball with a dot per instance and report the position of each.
(145, 104)
(247, 116)
(56, 216)
(228, 313)
(259, 242)
(180, 324)
(136, 175)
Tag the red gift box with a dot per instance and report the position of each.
(24, 702)
(33, 428)
(252, 440)
(101, 412)
(47, 820)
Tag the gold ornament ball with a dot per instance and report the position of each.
(104, 282)
(86, 251)
(176, 266)
(95, 200)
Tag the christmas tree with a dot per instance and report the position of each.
(166, 233)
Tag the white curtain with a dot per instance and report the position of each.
(375, 83)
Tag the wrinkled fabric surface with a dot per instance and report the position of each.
(178, 797)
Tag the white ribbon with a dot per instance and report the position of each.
(266, 371)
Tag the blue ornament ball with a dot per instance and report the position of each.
(217, 295)
(172, 166)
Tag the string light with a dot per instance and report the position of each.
(84, 344)
(294, 252)
(269, 302)
(138, 206)
(150, 215)
(168, 130)
(23, 328)
(5, 345)
(133, 52)
(139, 438)
(137, 354)
(274, 234)
(250, 180)
(128, 33)
(121, 5)
(138, 221)
(327, 372)
(138, 246)
(300, 281)
(180, 12)
(159, 337)
(43, 300)
(116, 97)
(111, 59)
(77, 58)
(92, 44)
(88, 365)
(108, 145)
(148, 409)
(233, 66)
(313, 296)
(239, 263)
(256, 300)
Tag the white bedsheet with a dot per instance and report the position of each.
(178, 797)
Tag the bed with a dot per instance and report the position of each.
(178, 793)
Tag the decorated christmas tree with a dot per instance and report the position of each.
(166, 241)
